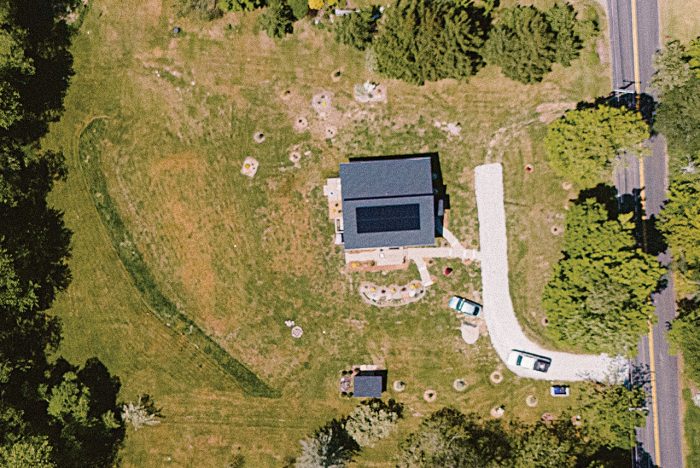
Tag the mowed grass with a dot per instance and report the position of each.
(239, 256)
(692, 430)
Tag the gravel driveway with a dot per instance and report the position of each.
(503, 326)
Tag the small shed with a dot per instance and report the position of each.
(369, 384)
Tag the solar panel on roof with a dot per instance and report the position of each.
(388, 218)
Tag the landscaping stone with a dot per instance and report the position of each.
(250, 167)
(430, 395)
(496, 377)
(460, 385)
(399, 386)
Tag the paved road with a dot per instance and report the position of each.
(627, 181)
(504, 330)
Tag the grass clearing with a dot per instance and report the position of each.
(692, 430)
(678, 20)
(237, 256)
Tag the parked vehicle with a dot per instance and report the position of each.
(529, 360)
(560, 390)
(465, 306)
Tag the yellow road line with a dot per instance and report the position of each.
(642, 182)
(635, 49)
(654, 404)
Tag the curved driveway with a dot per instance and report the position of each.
(503, 326)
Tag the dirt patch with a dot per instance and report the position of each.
(550, 111)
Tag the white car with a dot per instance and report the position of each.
(529, 361)
(464, 306)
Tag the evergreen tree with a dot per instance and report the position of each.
(568, 32)
(583, 143)
(430, 40)
(598, 296)
(522, 44)
(277, 19)
(356, 29)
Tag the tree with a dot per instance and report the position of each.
(582, 144)
(330, 447)
(521, 44)
(569, 32)
(598, 296)
(672, 69)
(685, 336)
(541, 445)
(277, 19)
(372, 421)
(679, 221)
(319, 4)
(610, 413)
(448, 438)
(678, 118)
(356, 29)
(30, 452)
(300, 8)
(430, 40)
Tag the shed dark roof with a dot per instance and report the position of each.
(367, 386)
(388, 202)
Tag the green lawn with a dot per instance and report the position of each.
(187, 240)
(692, 430)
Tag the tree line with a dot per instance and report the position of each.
(52, 412)
(677, 82)
(598, 432)
(429, 40)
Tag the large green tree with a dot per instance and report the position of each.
(598, 298)
(610, 413)
(582, 144)
(679, 221)
(522, 44)
(678, 118)
(526, 41)
(449, 438)
(544, 446)
(672, 68)
(430, 40)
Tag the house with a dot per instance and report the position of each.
(387, 202)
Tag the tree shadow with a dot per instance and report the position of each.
(644, 103)
(47, 44)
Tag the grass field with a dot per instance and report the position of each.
(679, 19)
(235, 257)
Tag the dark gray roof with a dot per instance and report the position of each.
(388, 202)
(386, 178)
(367, 386)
